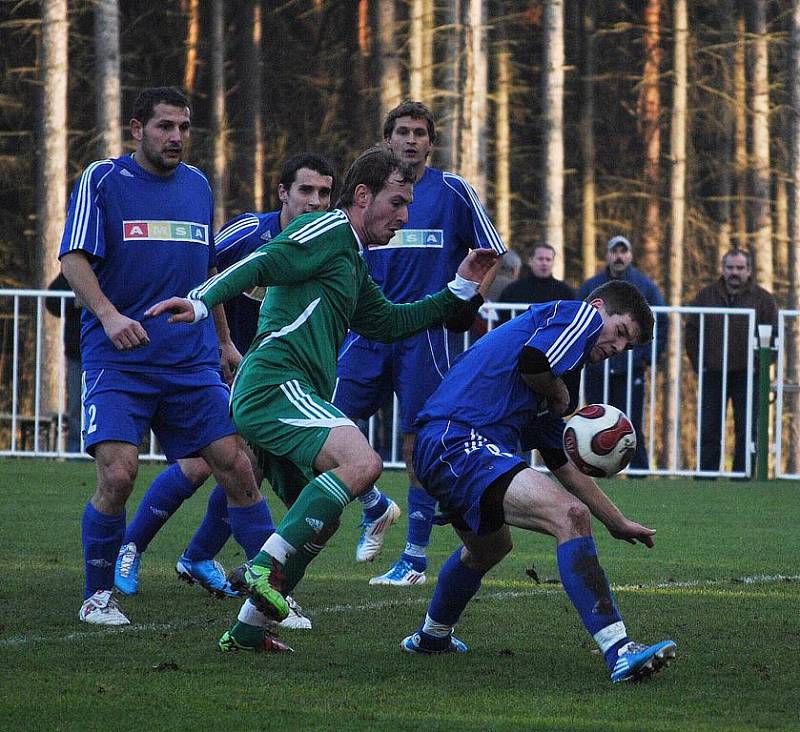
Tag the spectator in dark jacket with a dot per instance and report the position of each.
(538, 285)
(734, 289)
(72, 353)
(619, 258)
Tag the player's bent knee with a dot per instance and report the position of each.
(579, 520)
(196, 470)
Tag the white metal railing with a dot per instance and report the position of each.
(28, 428)
(787, 424)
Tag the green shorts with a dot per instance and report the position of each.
(286, 425)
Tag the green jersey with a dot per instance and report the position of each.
(319, 287)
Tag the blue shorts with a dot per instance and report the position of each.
(370, 372)
(186, 411)
(458, 467)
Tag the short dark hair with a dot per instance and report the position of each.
(623, 298)
(372, 168)
(409, 108)
(148, 99)
(310, 160)
(542, 245)
(738, 253)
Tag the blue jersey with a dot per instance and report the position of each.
(445, 221)
(236, 240)
(485, 388)
(148, 238)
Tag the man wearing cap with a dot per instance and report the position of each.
(619, 258)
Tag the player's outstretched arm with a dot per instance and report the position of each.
(602, 507)
(183, 310)
(477, 264)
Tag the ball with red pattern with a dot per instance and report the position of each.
(599, 440)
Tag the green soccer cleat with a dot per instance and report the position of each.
(264, 586)
(269, 644)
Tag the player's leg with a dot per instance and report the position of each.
(418, 368)
(166, 493)
(458, 582)
(118, 409)
(534, 502)
(363, 385)
(290, 420)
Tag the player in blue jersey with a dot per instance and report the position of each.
(445, 221)
(306, 183)
(512, 383)
(139, 228)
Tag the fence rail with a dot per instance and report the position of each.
(33, 410)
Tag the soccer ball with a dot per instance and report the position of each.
(599, 440)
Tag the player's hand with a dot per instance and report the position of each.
(124, 332)
(182, 310)
(476, 264)
(229, 358)
(632, 532)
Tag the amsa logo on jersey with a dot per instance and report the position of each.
(165, 231)
(416, 239)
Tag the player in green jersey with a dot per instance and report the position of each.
(315, 458)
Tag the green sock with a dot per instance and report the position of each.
(247, 635)
(319, 503)
(295, 566)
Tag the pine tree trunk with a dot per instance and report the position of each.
(792, 344)
(740, 135)
(51, 183)
(391, 90)
(553, 121)
(503, 144)
(781, 238)
(253, 80)
(588, 161)
(108, 96)
(421, 51)
(762, 222)
(449, 126)
(192, 10)
(649, 113)
(476, 98)
(678, 213)
(219, 164)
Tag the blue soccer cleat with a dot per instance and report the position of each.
(400, 574)
(207, 573)
(421, 642)
(126, 569)
(636, 661)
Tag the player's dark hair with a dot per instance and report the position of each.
(623, 298)
(148, 99)
(312, 161)
(372, 168)
(415, 110)
(542, 245)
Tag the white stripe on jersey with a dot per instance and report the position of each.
(571, 334)
(83, 206)
(483, 222)
(303, 402)
(199, 172)
(201, 290)
(319, 226)
(326, 423)
(233, 233)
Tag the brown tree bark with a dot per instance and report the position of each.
(219, 164)
(108, 95)
(192, 10)
(588, 156)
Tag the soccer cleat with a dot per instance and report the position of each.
(371, 542)
(263, 585)
(126, 569)
(102, 609)
(207, 573)
(400, 574)
(421, 642)
(269, 644)
(295, 620)
(636, 661)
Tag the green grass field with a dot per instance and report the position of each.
(722, 581)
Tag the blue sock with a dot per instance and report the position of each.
(214, 530)
(251, 526)
(456, 586)
(164, 496)
(102, 537)
(587, 587)
(421, 508)
(374, 504)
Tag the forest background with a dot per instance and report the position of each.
(673, 123)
